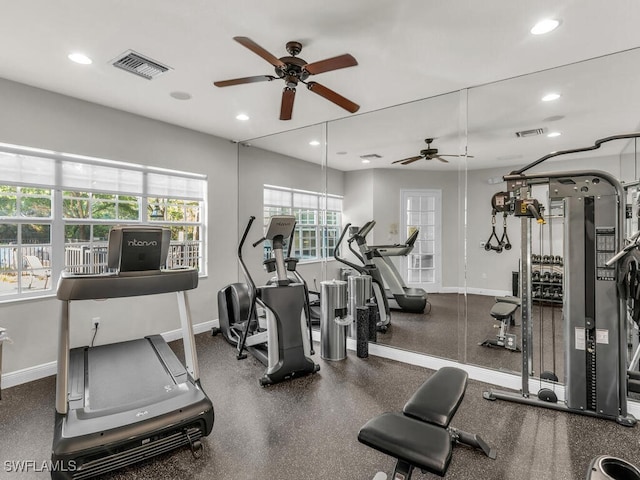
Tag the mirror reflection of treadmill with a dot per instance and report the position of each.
(120, 403)
(399, 295)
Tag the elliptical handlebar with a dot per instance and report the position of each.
(253, 291)
(336, 252)
(245, 270)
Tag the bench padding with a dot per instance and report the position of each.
(424, 446)
(439, 397)
(503, 310)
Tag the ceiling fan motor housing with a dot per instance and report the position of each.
(292, 71)
(429, 152)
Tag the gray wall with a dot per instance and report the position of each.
(258, 167)
(375, 194)
(37, 118)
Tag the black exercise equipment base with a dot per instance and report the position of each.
(533, 400)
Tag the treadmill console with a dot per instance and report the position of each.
(137, 249)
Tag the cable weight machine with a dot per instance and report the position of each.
(594, 314)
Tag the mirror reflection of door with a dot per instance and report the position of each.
(422, 267)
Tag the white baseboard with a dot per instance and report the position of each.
(488, 292)
(475, 291)
(30, 374)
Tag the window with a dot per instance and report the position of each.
(318, 219)
(56, 211)
(422, 211)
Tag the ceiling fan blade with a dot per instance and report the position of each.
(406, 161)
(334, 63)
(240, 81)
(286, 108)
(468, 156)
(332, 96)
(442, 159)
(258, 50)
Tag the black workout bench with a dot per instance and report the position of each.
(420, 436)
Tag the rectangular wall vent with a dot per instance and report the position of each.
(530, 133)
(370, 156)
(139, 65)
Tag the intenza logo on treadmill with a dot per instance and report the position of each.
(142, 243)
(24, 466)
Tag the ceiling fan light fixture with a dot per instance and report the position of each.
(545, 26)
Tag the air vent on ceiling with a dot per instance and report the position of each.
(370, 156)
(530, 133)
(139, 65)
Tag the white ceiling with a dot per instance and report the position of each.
(406, 50)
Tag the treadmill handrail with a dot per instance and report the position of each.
(130, 284)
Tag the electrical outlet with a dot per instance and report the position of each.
(95, 322)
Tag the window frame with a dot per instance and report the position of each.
(172, 186)
(319, 227)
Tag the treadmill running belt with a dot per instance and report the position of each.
(124, 373)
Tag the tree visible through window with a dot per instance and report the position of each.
(38, 240)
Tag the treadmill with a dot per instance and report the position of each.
(125, 402)
(399, 296)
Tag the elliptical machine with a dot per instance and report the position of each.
(282, 344)
(376, 281)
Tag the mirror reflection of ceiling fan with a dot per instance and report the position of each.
(293, 70)
(428, 154)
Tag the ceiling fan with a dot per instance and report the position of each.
(428, 154)
(292, 70)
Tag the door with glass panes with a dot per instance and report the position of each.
(422, 211)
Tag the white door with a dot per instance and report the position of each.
(422, 211)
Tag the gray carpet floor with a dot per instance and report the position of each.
(307, 428)
(442, 332)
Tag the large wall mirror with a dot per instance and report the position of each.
(510, 124)
(401, 168)
(343, 172)
(284, 174)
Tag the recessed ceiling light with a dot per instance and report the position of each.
(545, 26)
(80, 58)
(553, 134)
(366, 161)
(243, 117)
(550, 97)
(180, 95)
(314, 143)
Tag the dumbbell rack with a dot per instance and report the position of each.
(546, 279)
